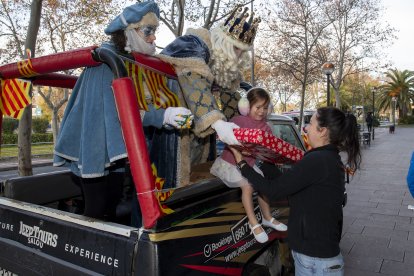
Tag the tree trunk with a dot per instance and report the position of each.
(302, 103)
(25, 123)
(55, 126)
(24, 142)
(338, 103)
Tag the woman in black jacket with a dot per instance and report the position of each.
(315, 187)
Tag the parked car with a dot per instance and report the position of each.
(385, 123)
(295, 115)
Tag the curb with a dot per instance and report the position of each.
(14, 166)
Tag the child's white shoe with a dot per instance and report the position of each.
(278, 227)
(262, 236)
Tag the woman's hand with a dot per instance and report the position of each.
(246, 153)
(237, 155)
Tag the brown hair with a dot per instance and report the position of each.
(256, 94)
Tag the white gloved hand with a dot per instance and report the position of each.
(178, 117)
(225, 132)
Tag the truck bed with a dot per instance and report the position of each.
(207, 233)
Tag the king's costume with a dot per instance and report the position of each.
(201, 69)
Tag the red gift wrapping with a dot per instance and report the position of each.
(265, 146)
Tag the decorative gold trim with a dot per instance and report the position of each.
(189, 233)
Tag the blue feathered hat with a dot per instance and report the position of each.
(133, 14)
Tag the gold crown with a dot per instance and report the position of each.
(236, 26)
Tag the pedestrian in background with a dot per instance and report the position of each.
(369, 120)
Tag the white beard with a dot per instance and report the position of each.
(137, 44)
(226, 70)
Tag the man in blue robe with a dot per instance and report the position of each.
(90, 140)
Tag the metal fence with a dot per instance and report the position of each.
(43, 149)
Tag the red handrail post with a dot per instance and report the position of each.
(129, 116)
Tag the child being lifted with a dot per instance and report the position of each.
(254, 116)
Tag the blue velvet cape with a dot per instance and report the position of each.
(90, 139)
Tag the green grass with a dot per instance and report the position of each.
(38, 149)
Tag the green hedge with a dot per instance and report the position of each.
(39, 125)
(9, 125)
(42, 137)
(7, 138)
(376, 122)
(408, 120)
(36, 138)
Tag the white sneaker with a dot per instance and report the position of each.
(278, 227)
(262, 236)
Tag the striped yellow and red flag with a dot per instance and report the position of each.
(161, 95)
(14, 97)
(26, 67)
(162, 195)
(135, 73)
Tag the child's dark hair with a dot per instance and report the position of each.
(256, 94)
(343, 132)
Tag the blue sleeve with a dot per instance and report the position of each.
(154, 117)
(410, 176)
(187, 46)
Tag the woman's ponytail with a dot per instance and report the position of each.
(343, 133)
(350, 142)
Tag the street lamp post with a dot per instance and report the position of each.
(374, 89)
(394, 107)
(327, 69)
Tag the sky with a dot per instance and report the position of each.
(399, 14)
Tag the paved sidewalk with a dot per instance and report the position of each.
(11, 164)
(378, 234)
